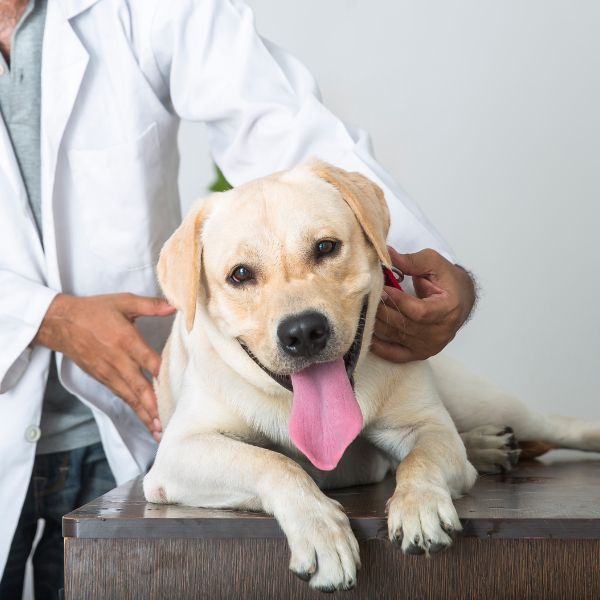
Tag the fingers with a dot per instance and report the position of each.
(139, 355)
(145, 356)
(424, 288)
(136, 354)
(145, 398)
(133, 306)
(111, 377)
(422, 310)
(130, 354)
(391, 325)
(392, 332)
(401, 338)
(392, 352)
(406, 345)
(128, 383)
(419, 264)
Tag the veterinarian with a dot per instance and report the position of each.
(91, 94)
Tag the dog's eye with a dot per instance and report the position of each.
(241, 274)
(325, 247)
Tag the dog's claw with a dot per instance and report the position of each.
(448, 528)
(304, 575)
(433, 548)
(513, 457)
(329, 589)
(414, 549)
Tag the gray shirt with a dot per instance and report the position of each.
(66, 423)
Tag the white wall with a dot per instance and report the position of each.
(488, 114)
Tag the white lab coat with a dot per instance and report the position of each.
(117, 77)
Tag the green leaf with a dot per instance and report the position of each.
(220, 184)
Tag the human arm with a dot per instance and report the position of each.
(262, 107)
(98, 334)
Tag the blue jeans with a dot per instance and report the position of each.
(60, 482)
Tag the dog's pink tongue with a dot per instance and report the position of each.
(325, 414)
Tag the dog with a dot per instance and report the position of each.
(268, 392)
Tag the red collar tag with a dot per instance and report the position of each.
(392, 277)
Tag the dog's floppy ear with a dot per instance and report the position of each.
(179, 263)
(367, 202)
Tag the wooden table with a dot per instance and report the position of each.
(532, 534)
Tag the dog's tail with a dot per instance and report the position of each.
(547, 432)
(531, 450)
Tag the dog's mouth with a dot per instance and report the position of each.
(350, 357)
(325, 415)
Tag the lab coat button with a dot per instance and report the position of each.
(33, 433)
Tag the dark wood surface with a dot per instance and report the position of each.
(534, 534)
(257, 569)
(556, 497)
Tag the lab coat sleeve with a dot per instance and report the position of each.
(23, 304)
(262, 106)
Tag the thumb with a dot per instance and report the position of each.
(138, 306)
(417, 264)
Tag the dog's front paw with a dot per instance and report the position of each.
(492, 449)
(422, 519)
(324, 550)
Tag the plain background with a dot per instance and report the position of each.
(488, 115)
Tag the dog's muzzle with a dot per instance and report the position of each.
(303, 328)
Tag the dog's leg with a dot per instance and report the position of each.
(497, 449)
(433, 469)
(212, 470)
(487, 415)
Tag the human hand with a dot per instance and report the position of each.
(98, 334)
(414, 328)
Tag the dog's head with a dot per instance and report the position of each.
(288, 267)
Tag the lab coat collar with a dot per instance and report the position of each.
(72, 8)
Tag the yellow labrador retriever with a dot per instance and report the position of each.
(268, 391)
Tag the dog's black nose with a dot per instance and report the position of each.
(305, 334)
